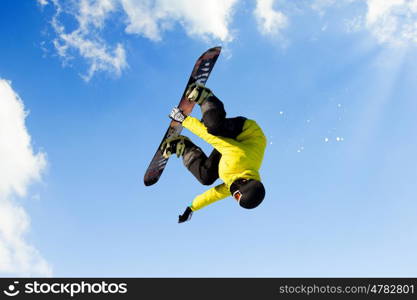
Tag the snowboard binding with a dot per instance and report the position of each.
(198, 93)
(174, 144)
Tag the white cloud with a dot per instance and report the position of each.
(208, 20)
(390, 22)
(354, 24)
(86, 39)
(321, 5)
(42, 2)
(393, 22)
(204, 19)
(19, 166)
(270, 21)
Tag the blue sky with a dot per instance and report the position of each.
(332, 84)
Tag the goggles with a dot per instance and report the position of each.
(237, 195)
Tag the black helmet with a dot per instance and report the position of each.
(248, 192)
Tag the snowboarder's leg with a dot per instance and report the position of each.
(214, 114)
(205, 169)
(214, 118)
(212, 108)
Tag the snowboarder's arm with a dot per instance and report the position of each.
(210, 196)
(199, 129)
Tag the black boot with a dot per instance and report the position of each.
(175, 144)
(198, 93)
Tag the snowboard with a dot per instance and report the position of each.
(200, 74)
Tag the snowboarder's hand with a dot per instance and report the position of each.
(186, 215)
(177, 115)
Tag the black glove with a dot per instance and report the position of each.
(186, 215)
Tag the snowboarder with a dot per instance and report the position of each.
(239, 145)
